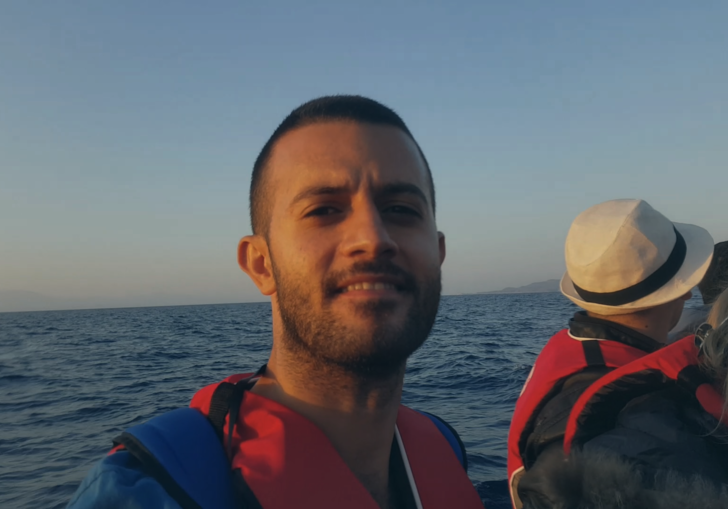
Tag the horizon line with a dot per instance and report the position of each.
(234, 303)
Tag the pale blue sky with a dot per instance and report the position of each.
(128, 129)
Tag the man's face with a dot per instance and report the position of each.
(353, 244)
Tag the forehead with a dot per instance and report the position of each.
(343, 153)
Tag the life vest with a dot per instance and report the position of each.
(562, 357)
(280, 459)
(596, 411)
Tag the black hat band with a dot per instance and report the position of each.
(647, 286)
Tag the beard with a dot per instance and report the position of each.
(377, 351)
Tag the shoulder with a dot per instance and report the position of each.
(666, 431)
(201, 399)
(117, 481)
(175, 459)
(552, 415)
(668, 414)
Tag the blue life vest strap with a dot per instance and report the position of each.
(182, 452)
(452, 438)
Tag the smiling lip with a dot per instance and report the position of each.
(371, 284)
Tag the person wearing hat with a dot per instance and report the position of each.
(713, 283)
(630, 270)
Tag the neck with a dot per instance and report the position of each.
(649, 324)
(357, 414)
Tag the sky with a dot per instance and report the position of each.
(128, 130)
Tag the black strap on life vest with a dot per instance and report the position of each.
(593, 353)
(225, 403)
(219, 407)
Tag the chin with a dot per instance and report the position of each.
(381, 363)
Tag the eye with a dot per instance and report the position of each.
(322, 211)
(402, 210)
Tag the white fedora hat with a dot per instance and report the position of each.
(623, 256)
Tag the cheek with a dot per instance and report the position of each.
(422, 252)
(304, 253)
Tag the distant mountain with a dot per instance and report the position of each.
(549, 286)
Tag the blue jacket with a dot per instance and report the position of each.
(118, 482)
(175, 461)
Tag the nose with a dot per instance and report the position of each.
(366, 234)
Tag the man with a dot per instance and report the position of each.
(631, 270)
(345, 244)
(711, 286)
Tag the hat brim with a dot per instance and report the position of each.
(697, 260)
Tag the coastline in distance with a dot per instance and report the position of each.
(548, 286)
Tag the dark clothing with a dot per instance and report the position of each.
(593, 480)
(550, 424)
(668, 430)
(399, 481)
(663, 451)
(583, 326)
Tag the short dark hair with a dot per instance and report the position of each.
(353, 108)
(716, 278)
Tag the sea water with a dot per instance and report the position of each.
(70, 381)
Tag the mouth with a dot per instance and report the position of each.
(371, 281)
(371, 285)
(368, 286)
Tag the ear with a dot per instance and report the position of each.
(254, 259)
(441, 246)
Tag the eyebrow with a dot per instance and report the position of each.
(390, 189)
(396, 188)
(315, 191)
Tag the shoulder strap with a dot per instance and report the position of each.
(225, 403)
(452, 438)
(593, 353)
(181, 451)
(219, 407)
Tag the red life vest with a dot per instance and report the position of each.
(562, 357)
(287, 461)
(597, 409)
